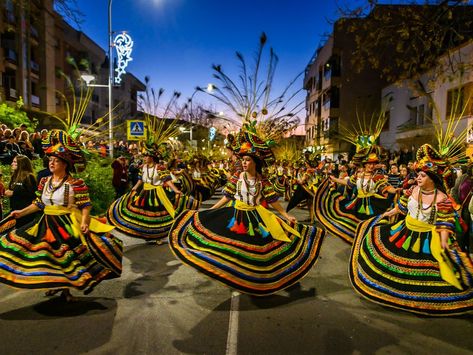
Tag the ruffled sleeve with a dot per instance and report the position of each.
(165, 176)
(380, 184)
(351, 182)
(230, 188)
(81, 193)
(445, 216)
(402, 203)
(39, 193)
(269, 195)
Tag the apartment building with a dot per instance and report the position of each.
(445, 90)
(26, 36)
(36, 52)
(337, 93)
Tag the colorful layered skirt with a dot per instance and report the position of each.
(246, 249)
(341, 214)
(150, 213)
(400, 266)
(53, 253)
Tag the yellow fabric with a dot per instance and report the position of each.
(273, 223)
(446, 271)
(163, 198)
(362, 194)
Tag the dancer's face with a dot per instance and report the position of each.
(369, 167)
(248, 164)
(424, 181)
(57, 166)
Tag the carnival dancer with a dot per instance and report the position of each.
(416, 264)
(148, 210)
(306, 186)
(66, 247)
(340, 214)
(241, 243)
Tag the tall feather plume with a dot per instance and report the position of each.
(365, 130)
(76, 99)
(157, 119)
(451, 140)
(249, 98)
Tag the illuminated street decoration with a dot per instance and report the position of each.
(124, 45)
(212, 132)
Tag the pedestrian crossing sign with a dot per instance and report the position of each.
(135, 130)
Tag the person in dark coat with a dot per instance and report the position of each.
(120, 176)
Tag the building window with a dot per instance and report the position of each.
(327, 71)
(420, 115)
(326, 101)
(334, 97)
(458, 101)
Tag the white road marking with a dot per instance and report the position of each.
(232, 337)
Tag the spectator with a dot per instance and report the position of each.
(35, 139)
(134, 167)
(394, 177)
(120, 176)
(25, 144)
(22, 188)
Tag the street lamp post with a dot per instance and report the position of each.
(88, 78)
(110, 79)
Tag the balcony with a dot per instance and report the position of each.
(35, 100)
(34, 66)
(10, 55)
(11, 93)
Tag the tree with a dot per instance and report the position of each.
(13, 116)
(408, 39)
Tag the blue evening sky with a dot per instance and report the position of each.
(177, 41)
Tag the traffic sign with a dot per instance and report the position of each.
(135, 130)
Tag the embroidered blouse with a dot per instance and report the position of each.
(250, 191)
(376, 184)
(71, 193)
(154, 176)
(445, 214)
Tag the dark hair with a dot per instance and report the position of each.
(437, 181)
(258, 163)
(23, 170)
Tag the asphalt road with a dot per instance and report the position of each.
(160, 306)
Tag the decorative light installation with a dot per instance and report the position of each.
(124, 45)
(212, 133)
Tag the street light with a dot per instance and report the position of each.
(88, 78)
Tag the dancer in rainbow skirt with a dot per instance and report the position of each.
(66, 247)
(416, 264)
(366, 196)
(241, 243)
(148, 210)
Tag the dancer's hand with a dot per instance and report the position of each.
(15, 214)
(444, 240)
(290, 218)
(84, 227)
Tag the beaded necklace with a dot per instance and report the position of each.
(52, 188)
(249, 186)
(150, 177)
(365, 187)
(420, 207)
